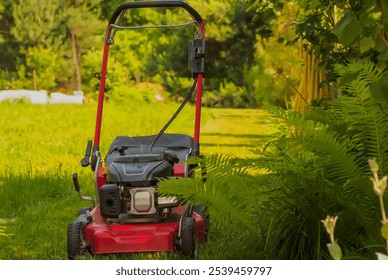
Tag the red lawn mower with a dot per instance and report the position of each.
(129, 215)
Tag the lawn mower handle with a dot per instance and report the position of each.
(196, 63)
(156, 4)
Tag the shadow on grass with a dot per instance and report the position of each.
(251, 136)
(227, 145)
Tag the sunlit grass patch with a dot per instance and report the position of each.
(239, 132)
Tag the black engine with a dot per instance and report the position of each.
(130, 194)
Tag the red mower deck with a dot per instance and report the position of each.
(135, 238)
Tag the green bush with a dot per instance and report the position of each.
(229, 95)
(47, 66)
(138, 94)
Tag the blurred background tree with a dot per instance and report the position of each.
(61, 41)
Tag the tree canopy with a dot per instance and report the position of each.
(62, 41)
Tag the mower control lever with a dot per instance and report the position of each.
(171, 158)
(86, 160)
(77, 189)
(197, 56)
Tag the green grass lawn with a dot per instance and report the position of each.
(41, 146)
(239, 132)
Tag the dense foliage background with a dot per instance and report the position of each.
(60, 42)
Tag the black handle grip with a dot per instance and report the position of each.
(94, 159)
(75, 182)
(86, 160)
(156, 4)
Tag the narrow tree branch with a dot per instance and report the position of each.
(296, 90)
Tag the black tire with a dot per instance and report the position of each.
(75, 241)
(200, 210)
(188, 237)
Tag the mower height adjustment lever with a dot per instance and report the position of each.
(77, 189)
(85, 162)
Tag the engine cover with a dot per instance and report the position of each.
(140, 170)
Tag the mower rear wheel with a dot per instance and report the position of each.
(200, 210)
(188, 237)
(76, 244)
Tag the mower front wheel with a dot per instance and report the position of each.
(188, 237)
(76, 244)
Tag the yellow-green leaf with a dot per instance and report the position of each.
(314, 4)
(370, 15)
(348, 29)
(343, 23)
(384, 230)
(366, 44)
(335, 250)
(379, 89)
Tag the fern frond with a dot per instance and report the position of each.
(367, 124)
(364, 73)
(226, 192)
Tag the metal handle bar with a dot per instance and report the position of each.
(115, 26)
(156, 4)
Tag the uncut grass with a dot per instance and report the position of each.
(41, 138)
(38, 209)
(41, 146)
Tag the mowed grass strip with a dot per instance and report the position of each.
(239, 132)
(41, 146)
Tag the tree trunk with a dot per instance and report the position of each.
(76, 61)
(34, 79)
(138, 77)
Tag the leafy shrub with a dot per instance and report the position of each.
(229, 95)
(138, 94)
(48, 66)
(317, 165)
(320, 166)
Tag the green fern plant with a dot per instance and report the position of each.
(317, 165)
(222, 189)
(324, 168)
(230, 195)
